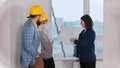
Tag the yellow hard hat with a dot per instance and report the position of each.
(44, 17)
(36, 10)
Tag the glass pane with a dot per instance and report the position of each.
(68, 13)
(96, 12)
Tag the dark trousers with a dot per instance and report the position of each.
(31, 66)
(49, 63)
(88, 64)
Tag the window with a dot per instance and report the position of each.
(68, 13)
(96, 12)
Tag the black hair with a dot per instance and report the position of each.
(32, 16)
(88, 21)
(38, 23)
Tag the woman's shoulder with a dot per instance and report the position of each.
(91, 31)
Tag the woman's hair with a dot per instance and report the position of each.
(88, 21)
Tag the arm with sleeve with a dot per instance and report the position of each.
(86, 41)
(29, 42)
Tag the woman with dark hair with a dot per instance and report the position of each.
(85, 43)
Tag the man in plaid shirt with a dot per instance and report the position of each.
(30, 38)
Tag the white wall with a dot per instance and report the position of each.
(13, 14)
(4, 35)
(111, 34)
(19, 10)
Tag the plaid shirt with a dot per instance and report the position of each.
(29, 44)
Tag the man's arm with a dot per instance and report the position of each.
(29, 41)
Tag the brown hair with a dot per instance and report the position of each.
(88, 21)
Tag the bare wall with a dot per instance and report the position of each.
(19, 10)
(111, 34)
(4, 35)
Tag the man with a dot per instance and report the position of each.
(30, 38)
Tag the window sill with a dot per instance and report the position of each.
(71, 59)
